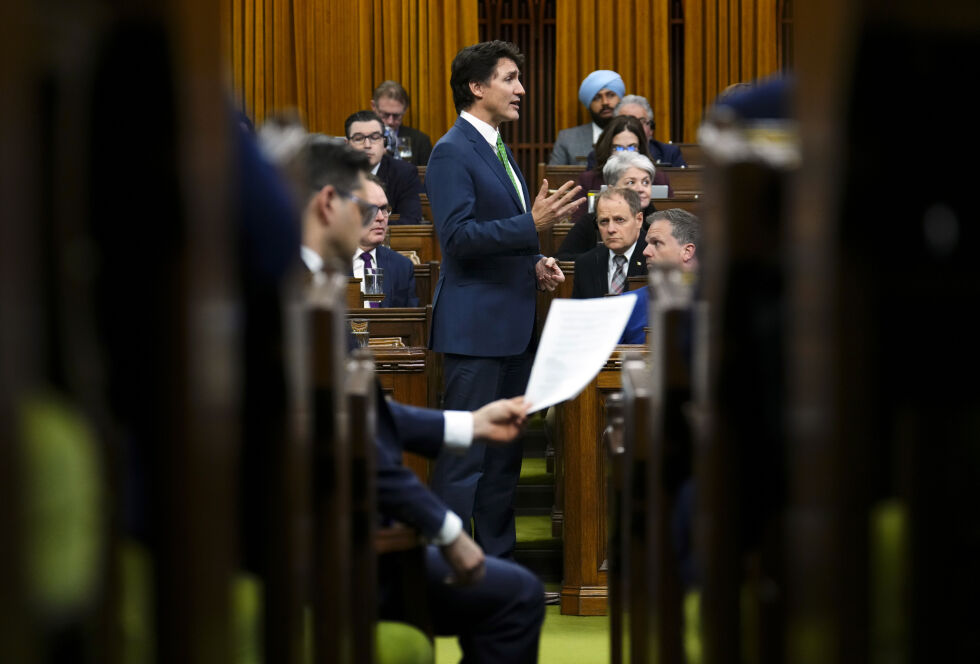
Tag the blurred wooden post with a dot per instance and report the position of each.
(360, 398)
(332, 641)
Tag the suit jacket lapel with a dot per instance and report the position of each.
(489, 156)
(602, 271)
(637, 261)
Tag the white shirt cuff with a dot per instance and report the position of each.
(458, 431)
(452, 526)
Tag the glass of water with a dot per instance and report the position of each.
(404, 148)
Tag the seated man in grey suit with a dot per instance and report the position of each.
(605, 269)
(399, 272)
(600, 92)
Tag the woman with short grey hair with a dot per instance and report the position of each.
(631, 170)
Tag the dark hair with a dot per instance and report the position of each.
(362, 116)
(631, 198)
(331, 161)
(477, 63)
(371, 177)
(616, 126)
(684, 226)
(392, 90)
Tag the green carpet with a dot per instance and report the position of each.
(534, 532)
(533, 471)
(564, 640)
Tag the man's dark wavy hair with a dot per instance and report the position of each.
(477, 63)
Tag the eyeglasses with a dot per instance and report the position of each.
(358, 139)
(625, 148)
(368, 211)
(390, 116)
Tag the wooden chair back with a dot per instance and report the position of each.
(420, 238)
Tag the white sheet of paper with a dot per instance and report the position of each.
(577, 339)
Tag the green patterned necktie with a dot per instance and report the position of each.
(502, 155)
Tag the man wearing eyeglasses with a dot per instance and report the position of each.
(366, 132)
(399, 273)
(390, 102)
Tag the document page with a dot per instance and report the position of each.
(578, 338)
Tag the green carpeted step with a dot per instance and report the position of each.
(534, 532)
(533, 471)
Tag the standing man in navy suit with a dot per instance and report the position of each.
(366, 132)
(483, 308)
(399, 272)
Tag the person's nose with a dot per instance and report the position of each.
(520, 90)
(648, 251)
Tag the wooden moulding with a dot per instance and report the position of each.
(581, 485)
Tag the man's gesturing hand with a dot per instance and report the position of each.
(549, 208)
(467, 560)
(500, 421)
(548, 273)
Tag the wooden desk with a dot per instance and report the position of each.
(690, 202)
(685, 181)
(581, 490)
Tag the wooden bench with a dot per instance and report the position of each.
(410, 324)
(420, 238)
(693, 153)
(426, 278)
(685, 181)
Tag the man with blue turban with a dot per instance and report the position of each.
(600, 92)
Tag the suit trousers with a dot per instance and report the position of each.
(496, 620)
(481, 483)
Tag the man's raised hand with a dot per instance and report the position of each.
(550, 208)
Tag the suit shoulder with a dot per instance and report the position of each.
(395, 257)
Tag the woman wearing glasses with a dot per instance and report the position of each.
(626, 166)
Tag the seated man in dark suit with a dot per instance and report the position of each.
(390, 102)
(366, 132)
(399, 273)
(673, 238)
(604, 269)
(495, 607)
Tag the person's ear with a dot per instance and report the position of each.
(476, 87)
(324, 202)
(687, 252)
(374, 107)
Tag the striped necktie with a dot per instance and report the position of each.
(619, 274)
(502, 155)
(368, 264)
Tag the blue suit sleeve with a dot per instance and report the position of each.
(452, 193)
(634, 334)
(403, 497)
(419, 430)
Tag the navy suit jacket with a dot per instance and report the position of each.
(399, 281)
(666, 154)
(401, 179)
(484, 302)
(401, 495)
(592, 270)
